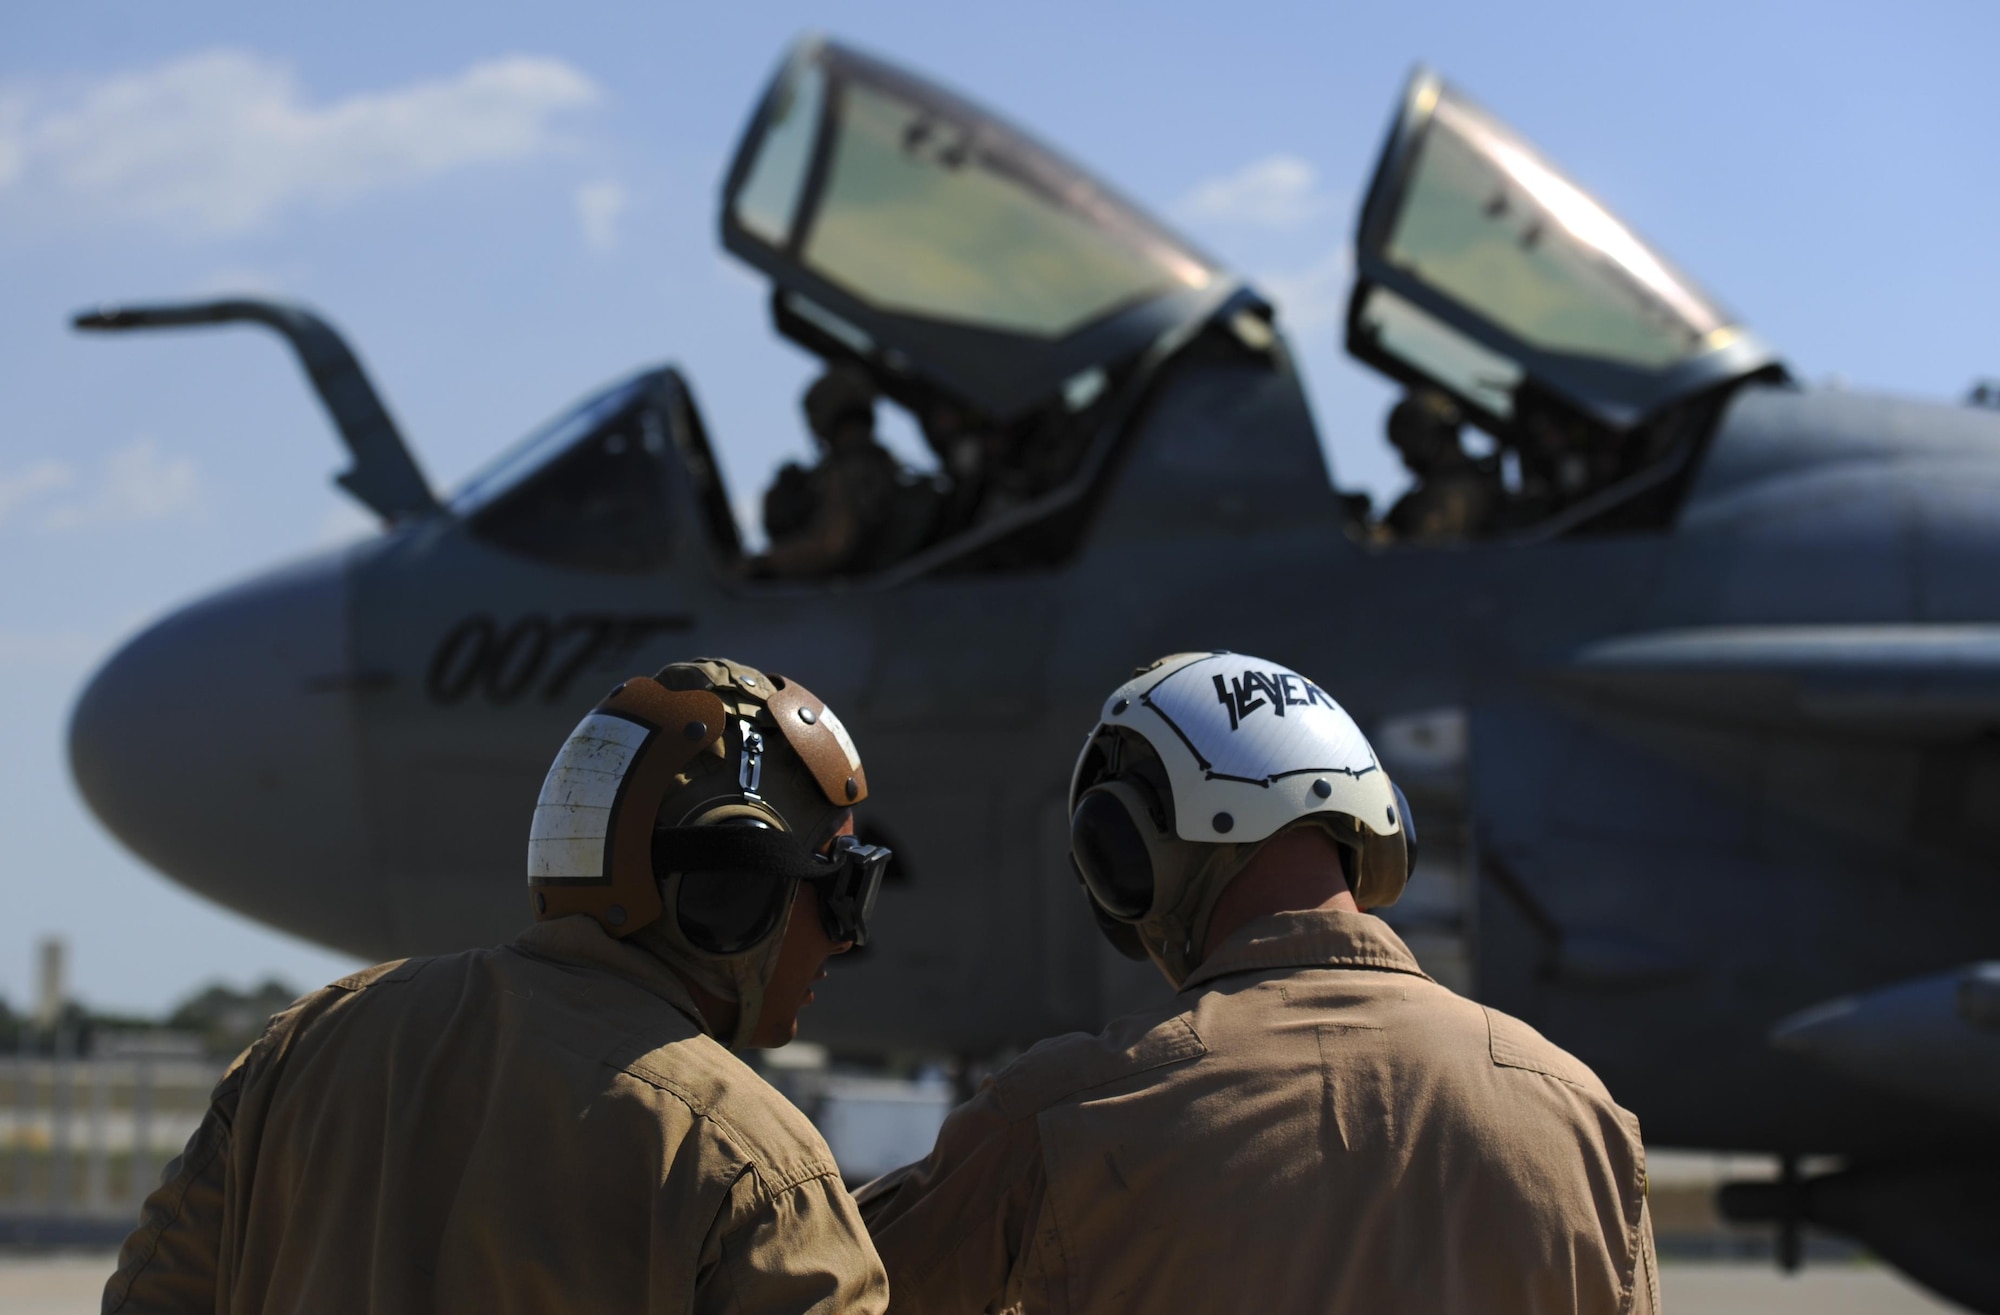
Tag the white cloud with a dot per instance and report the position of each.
(223, 140)
(40, 478)
(1314, 296)
(136, 482)
(598, 209)
(1269, 216)
(1278, 191)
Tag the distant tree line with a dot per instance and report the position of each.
(225, 1019)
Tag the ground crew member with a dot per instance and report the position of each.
(1311, 1123)
(559, 1124)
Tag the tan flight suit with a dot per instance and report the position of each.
(1311, 1125)
(539, 1127)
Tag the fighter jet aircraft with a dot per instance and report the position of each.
(1694, 693)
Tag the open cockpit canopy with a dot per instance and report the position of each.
(1481, 269)
(920, 232)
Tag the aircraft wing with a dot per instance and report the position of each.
(1905, 681)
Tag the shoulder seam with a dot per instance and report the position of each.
(1188, 1045)
(1505, 1055)
(811, 1172)
(809, 1167)
(395, 970)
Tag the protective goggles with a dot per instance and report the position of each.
(735, 881)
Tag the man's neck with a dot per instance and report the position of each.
(1296, 871)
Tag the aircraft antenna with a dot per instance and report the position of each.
(384, 477)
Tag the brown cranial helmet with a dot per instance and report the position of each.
(688, 806)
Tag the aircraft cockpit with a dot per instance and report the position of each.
(593, 489)
(945, 260)
(1508, 298)
(937, 259)
(942, 261)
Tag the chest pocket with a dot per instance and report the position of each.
(1364, 1108)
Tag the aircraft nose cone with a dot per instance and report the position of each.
(219, 746)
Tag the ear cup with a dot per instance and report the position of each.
(729, 911)
(1409, 833)
(1122, 936)
(1109, 848)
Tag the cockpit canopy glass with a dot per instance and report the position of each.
(882, 197)
(541, 447)
(1486, 220)
(930, 215)
(588, 491)
(1468, 224)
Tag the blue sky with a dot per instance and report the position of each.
(507, 206)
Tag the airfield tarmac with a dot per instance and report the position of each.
(69, 1284)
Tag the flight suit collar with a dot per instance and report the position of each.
(578, 939)
(1315, 938)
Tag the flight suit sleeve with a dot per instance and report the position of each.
(799, 1250)
(169, 1262)
(952, 1229)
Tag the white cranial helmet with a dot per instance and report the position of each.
(1193, 763)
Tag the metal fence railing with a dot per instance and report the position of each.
(83, 1138)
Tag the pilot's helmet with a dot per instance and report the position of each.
(843, 393)
(1424, 425)
(686, 808)
(1194, 763)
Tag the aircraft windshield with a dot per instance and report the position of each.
(1485, 220)
(928, 216)
(544, 445)
(918, 204)
(588, 492)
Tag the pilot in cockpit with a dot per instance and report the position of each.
(831, 518)
(1456, 496)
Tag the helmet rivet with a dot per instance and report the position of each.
(1392, 817)
(615, 915)
(808, 716)
(695, 730)
(751, 681)
(1324, 789)
(1120, 706)
(852, 789)
(1223, 822)
(541, 902)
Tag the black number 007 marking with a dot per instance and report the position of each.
(505, 663)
